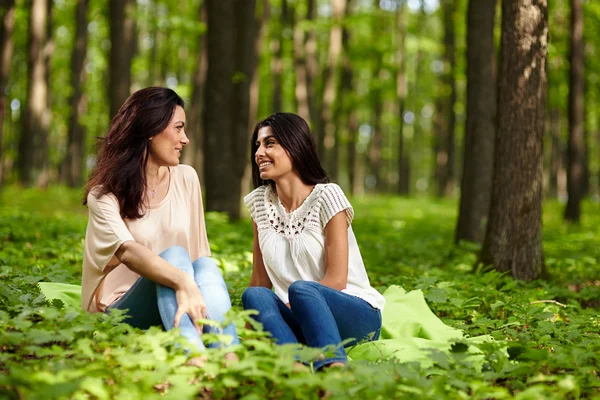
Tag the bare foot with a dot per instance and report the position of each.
(336, 364)
(300, 367)
(232, 357)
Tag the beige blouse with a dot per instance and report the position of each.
(178, 220)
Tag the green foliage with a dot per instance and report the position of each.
(547, 332)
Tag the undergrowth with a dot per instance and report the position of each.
(548, 343)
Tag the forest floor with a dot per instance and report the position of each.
(547, 332)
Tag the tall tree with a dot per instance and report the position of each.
(303, 91)
(122, 39)
(476, 184)
(231, 49)
(513, 240)
(446, 121)
(73, 165)
(401, 91)
(325, 127)
(7, 21)
(576, 151)
(35, 125)
(277, 45)
(195, 155)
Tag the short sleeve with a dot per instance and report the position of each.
(106, 229)
(253, 201)
(334, 201)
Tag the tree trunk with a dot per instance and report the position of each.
(7, 19)
(401, 91)
(74, 164)
(34, 127)
(445, 150)
(302, 90)
(194, 155)
(513, 239)
(576, 144)
(122, 39)
(480, 130)
(555, 153)
(312, 65)
(277, 61)
(325, 127)
(231, 46)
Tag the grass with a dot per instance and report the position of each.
(552, 351)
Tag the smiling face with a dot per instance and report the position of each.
(165, 148)
(272, 159)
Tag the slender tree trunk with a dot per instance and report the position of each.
(231, 45)
(122, 39)
(556, 152)
(277, 61)
(513, 239)
(445, 155)
(194, 155)
(576, 144)
(74, 164)
(401, 91)
(37, 89)
(325, 139)
(300, 66)
(312, 65)
(7, 19)
(478, 167)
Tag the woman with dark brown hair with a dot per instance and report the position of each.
(146, 249)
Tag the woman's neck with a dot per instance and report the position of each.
(154, 175)
(292, 192)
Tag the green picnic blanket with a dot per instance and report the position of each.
(410, 329)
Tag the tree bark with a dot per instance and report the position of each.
(325, 140)
(122, 49)
(576, 144)
(480, 130)
(445, 134)
(74, 164)
(277, 61)
(513, 239)
(34, 126)
(555, 152)
(302, 90)
(194, 155)
(7, 19)
(231, 50)
(401, 91)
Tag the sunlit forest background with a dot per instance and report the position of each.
(382, 82)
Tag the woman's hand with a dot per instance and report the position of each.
(191, 302)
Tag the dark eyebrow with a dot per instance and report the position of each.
(180, 122)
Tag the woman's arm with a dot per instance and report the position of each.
(336, 252)
(259, 272)
(149, 265)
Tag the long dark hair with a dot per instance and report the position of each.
(293, 134)
(123, 152)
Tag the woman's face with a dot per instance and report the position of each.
(272, 159)
(165, 148)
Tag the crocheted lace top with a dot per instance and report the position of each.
(293, 243)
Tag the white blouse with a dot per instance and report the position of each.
(293, 244)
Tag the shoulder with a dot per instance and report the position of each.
(331, 192)
(96, 198)
(257, 193)
(185, 172)
(186, 176)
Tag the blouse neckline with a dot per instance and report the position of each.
(298, 211)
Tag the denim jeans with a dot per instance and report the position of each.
(150, 304)
(318, 316)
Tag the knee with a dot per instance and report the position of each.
(254, 295)
(299, 288)
(177, 256)
(207, 269)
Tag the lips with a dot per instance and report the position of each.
(264, 164)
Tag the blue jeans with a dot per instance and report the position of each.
(150, 304)
(318, 316)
